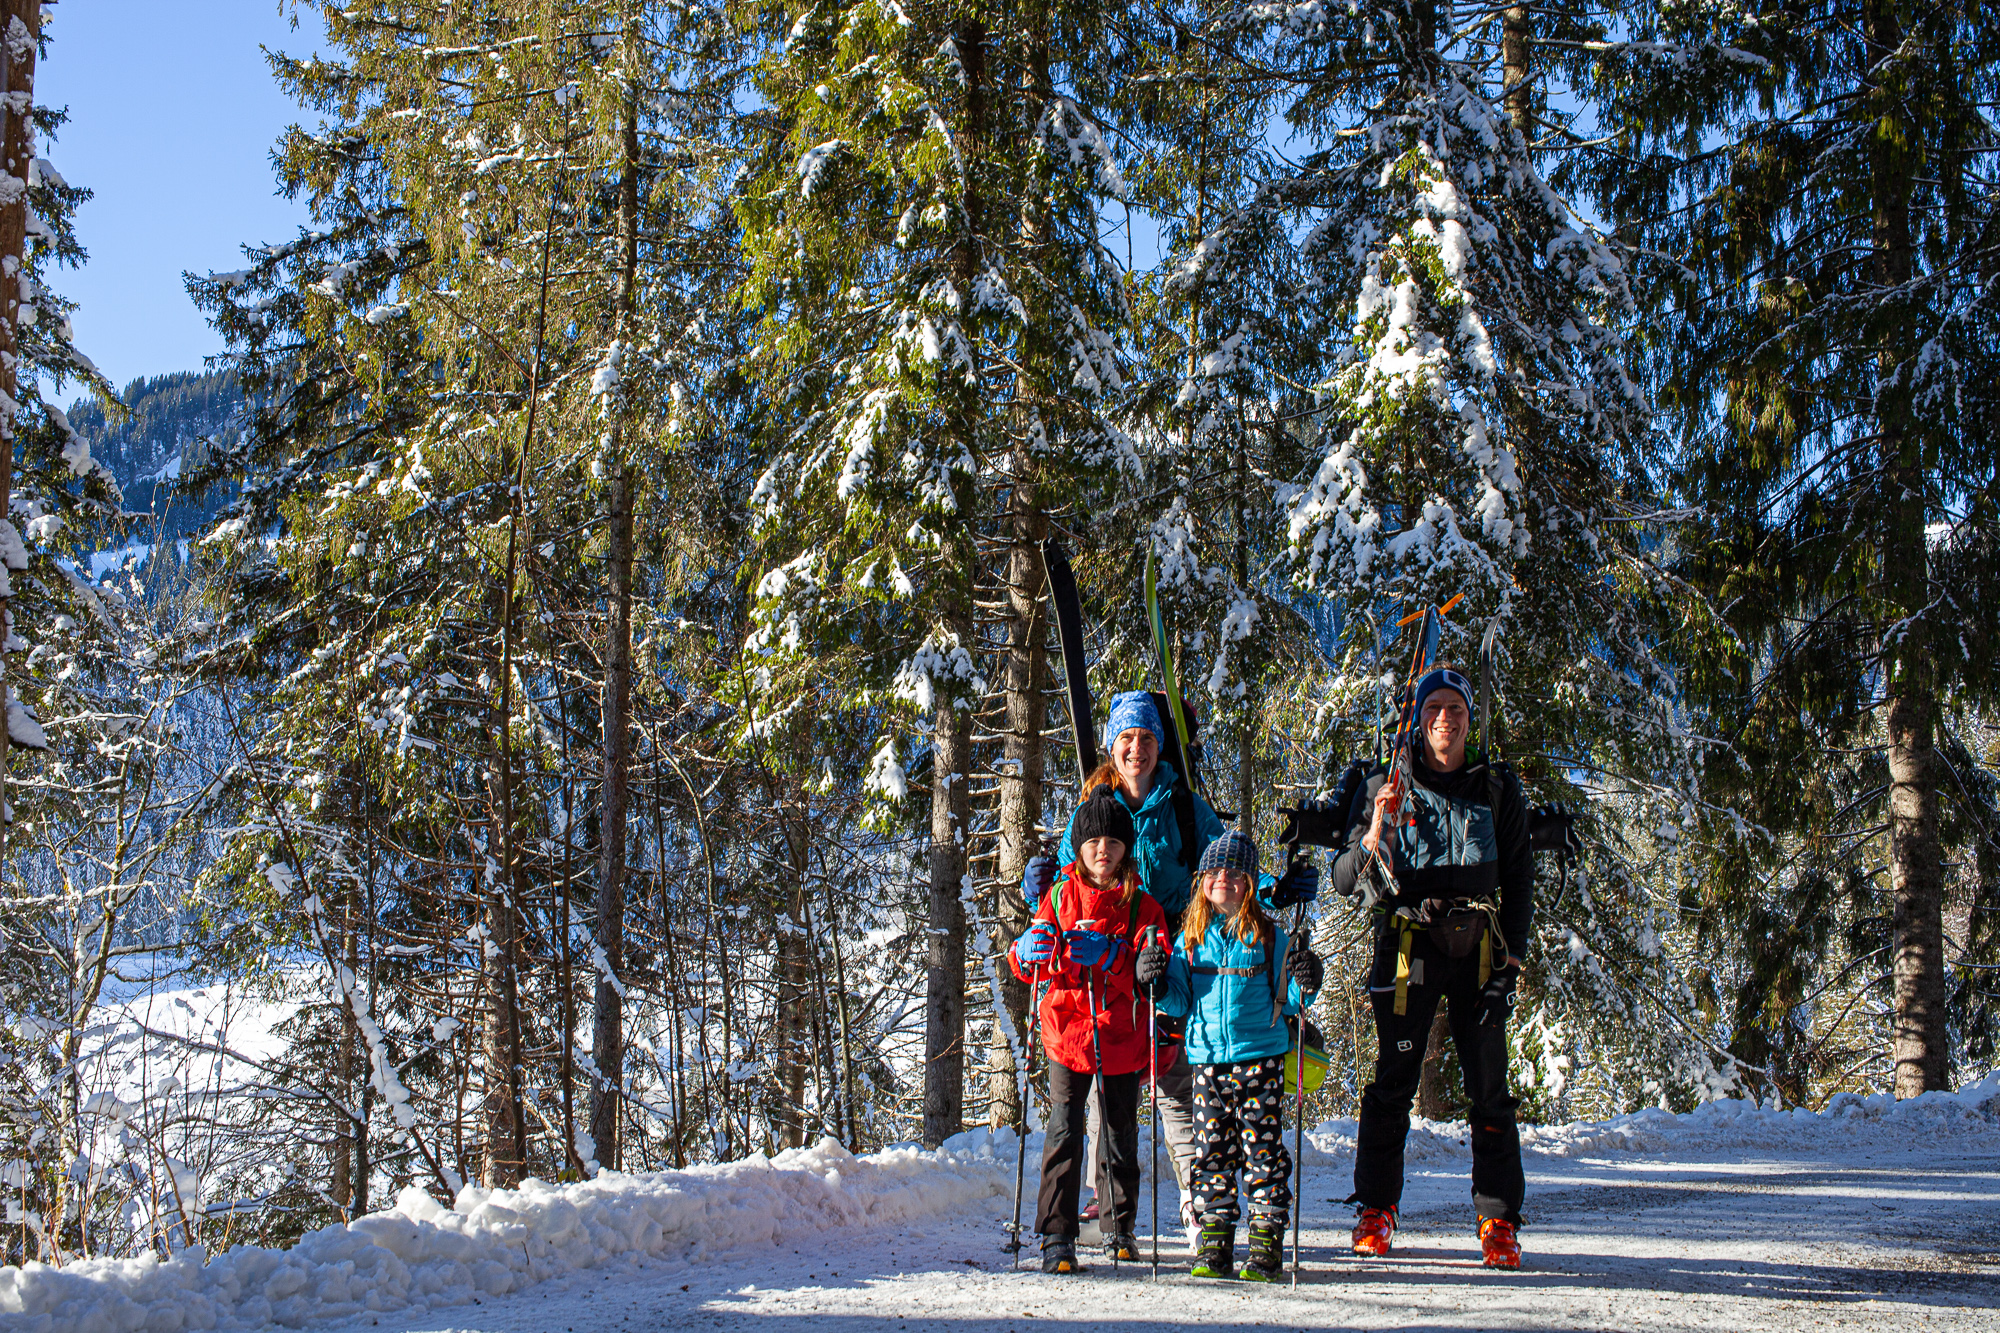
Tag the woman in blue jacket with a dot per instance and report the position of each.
(1223, 977)
(1132, 767)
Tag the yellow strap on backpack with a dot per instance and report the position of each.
(1403, 971)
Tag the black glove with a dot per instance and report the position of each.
(1315, 822)
(1553, 829)
(1151, 964)
(1497, 1000)
(1304, 966)
(1299, 885)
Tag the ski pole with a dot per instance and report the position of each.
(1027, 1092)
(1299, 1122)
(1097, 1076)
(1153, 1091)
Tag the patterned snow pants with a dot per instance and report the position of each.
(1238, 1116)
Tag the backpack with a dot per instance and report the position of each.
(1182, 795)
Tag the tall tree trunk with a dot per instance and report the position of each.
(505, 1159)
(1516, 32)
(1246, 731)
(1433, 1097)
(607, 1040)
(1916, 853)
(1025, 666)
(951, 752)
(944, 984)
(20, 26)
(791, 1049)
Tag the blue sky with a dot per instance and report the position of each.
(173, 114)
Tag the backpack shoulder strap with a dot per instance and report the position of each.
(1184, 817)
(1270, 964)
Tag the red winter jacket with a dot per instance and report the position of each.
(1123, 1033)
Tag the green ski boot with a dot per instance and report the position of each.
(1266, 1259)
(1216, 1256)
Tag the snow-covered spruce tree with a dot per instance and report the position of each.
(922, 233)
(442, 187)
(1481, 430)
(1829, 354)
(408, 558)
(1225, 355)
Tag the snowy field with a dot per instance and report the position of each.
(1870, 1215)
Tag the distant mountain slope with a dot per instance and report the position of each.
(170, 417)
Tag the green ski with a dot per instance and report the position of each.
(1168, 682)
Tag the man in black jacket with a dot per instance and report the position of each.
(1454, 896)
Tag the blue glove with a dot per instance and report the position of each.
(1299, 885)
(1037, 944)
(1093, 948)
(1040, 874)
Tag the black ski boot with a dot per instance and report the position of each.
(1267, 1250)
(1216, 1256)
(1059, 1255)
(1121, 1245)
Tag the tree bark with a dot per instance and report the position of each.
(1433, 1097)
(1025, 665)
(20, 25)
(608, 1032)
(1516, 32)
(1920, 1044)
(951, 823)
(944, 986)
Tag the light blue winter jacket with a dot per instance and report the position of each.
(1223, 987)
(1159, 842)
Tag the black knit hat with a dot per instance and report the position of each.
(1102, 816)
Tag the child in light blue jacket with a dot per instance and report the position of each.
(1223, 976)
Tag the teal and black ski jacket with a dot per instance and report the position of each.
(1158, 850)
(1469, 840)
(1224, 988)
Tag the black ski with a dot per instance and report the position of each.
(1069, 635)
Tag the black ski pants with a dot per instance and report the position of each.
(1498, 1185)
(1063, 1155)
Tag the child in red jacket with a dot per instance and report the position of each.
(1095, 1025)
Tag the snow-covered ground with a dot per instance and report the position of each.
(1871, 1214)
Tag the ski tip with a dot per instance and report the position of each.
(1445, 610)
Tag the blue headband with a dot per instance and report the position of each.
(1133, 708)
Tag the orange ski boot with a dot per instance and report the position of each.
(1372, 1231)
(1497, 1238)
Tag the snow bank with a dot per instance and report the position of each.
(1720, 1126)
(1733, 1124)
(418, 1255)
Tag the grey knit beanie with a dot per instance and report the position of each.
(1231, 851)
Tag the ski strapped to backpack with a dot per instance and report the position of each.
(1068, 609)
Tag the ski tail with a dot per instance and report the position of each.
(1068, 608)
(1177, 719)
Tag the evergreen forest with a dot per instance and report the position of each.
(573, 686)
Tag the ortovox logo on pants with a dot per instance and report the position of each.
(1402, 1045)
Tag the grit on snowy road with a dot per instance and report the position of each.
(1872, 1214)
(1881, 1239)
